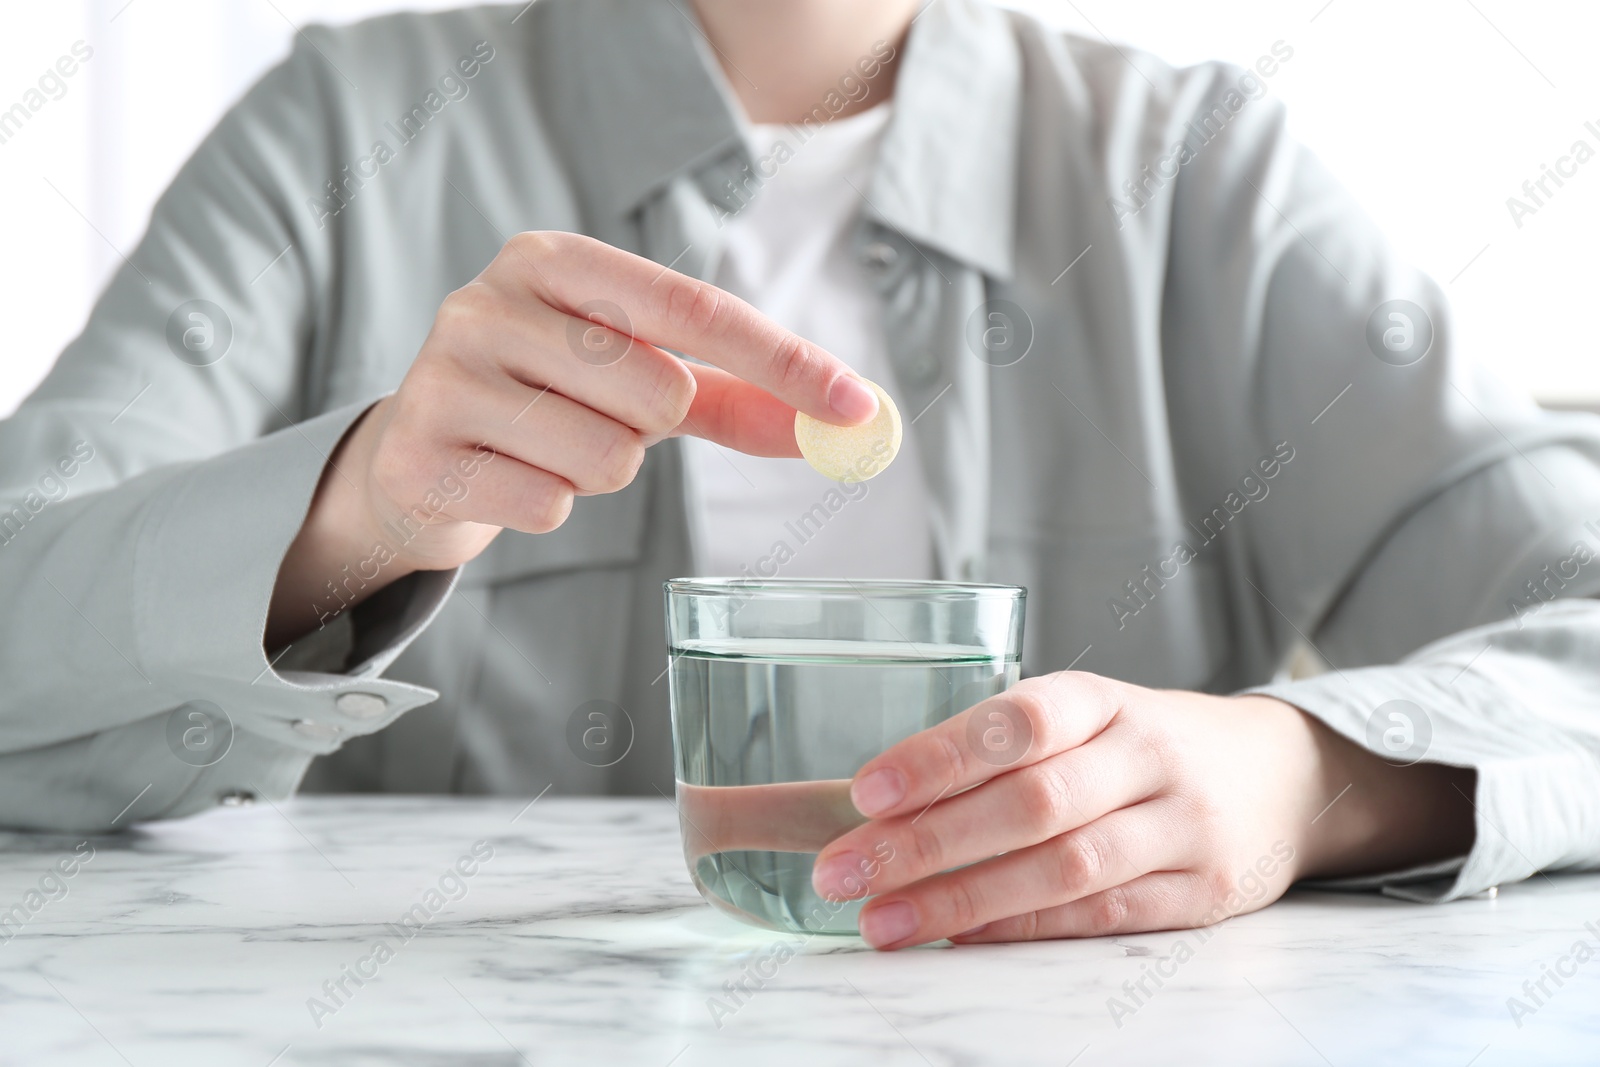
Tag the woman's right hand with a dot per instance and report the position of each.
(544, 379)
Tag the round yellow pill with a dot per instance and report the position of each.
(851, 453)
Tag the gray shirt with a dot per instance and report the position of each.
(1159, 379)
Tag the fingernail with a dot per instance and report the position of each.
(839, 877)
(878, 791)
(888, 923)
(851, 399)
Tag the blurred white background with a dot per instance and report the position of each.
(1432, 112)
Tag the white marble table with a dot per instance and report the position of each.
(581, 940)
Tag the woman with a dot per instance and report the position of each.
(421, 289)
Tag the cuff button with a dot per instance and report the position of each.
(361, 705)
(317, 731)
(878, 256)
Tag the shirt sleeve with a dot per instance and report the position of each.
(1435, 536)
(151, 487)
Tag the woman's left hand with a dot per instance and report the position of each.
(1073, 805)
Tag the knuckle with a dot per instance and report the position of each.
(1109, 910)
(1217, 887)
(429, 380)
(1082, 862)
(672, 391)
(1105, 696)
(1045, 801)
(952, 756)
(1036, 710)
(536, 245)
(793, 362)
(620, 462)
(549, 508)
(1088, 683)
(963, 903)
(1156, 741)
(728, 408)
(465, 309)
(1157, 745)
(693, 307)
(925, 850)
(1205, 816)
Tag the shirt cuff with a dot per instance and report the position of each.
(207, 597)
(1534, 807)
(208, 717)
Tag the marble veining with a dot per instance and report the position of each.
(241, 937)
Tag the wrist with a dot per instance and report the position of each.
(340, 556)
(344, 521)
(1289, 747)
(1362, 814)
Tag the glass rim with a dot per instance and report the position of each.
(842, 588)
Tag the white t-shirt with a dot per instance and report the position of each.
(789, 254)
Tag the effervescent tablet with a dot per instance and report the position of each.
(851, 453)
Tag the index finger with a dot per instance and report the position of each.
(672, 310)
(1029, 722)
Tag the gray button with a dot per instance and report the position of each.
(317, 731)
(236, 798)
(879, 255)
(361, 705)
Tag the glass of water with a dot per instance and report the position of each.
(783, 689)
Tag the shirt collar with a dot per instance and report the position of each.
(651, 105)
(946, 177)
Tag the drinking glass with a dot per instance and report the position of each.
(782, 689)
